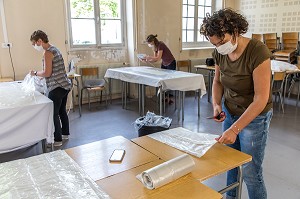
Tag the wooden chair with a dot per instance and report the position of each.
(184, 65)
(289, 47)
(277, 86)
(272, 41)
(92, 83)
(259, 37)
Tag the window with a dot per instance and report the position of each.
(96, 23)
(193, 13)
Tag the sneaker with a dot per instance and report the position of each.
(57, 144)
(65, 137)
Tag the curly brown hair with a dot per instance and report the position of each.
(39, 34)
(222, 22)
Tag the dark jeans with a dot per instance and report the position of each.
(61, 121)
(171, 66)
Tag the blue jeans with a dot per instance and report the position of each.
(171, 66)
(251, 140)
(59, 97)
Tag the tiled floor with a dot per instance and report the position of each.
(282, 159)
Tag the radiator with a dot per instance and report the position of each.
(116, 85)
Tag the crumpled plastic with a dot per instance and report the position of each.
(151, 119)
(50, 175)
(193, 143)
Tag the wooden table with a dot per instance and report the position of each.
(125, 185)
(217, 160)
(94, 157)
(211, 70)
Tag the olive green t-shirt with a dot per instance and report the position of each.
(237, 77)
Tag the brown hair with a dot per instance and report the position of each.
(36, 35)
(151, 38)
(222, 22)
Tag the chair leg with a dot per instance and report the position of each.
(281, 102)
(100, 97)
(89, 100)
(81, 97)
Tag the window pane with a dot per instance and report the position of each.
(191, 11)
(111, 31)
(184, 11)
(190, 23)
(82, 9)
(201, 12)
(191, 2)
(200, 37)
(208, 2)
(201, 2)
(83, 31)
(190, 36)
(208, 10)
(184, 2)
(184, 23)
(183, 35)
(110, 9)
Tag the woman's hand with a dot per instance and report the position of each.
(228, 137)
(219, 115)
(32, 73)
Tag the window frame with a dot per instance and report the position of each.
(195, 44)
(97, 21)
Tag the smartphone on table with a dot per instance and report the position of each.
(117, 155)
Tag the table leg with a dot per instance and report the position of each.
(298, 93)
(182, 108)
(109, 90)
(160, 101)
(143, 98)
(238, 184)
(125, 94)
(44, 145)
(198, 102)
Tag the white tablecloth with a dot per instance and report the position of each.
(50, 175)
(27, 123)
(156, 77)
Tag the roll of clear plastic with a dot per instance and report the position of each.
(168, 171)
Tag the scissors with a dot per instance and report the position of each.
(219, 116)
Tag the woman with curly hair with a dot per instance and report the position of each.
(242, 79)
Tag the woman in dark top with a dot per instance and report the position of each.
(161, 52)
(241, 88)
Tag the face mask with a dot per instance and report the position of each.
(150, 45)
(38, 48)
(227, 48)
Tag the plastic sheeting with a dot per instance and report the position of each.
(15, 94)
(196, 144)
(51, 175)
(167, 172)
(151, 119)
(156, 77)
(279, 66)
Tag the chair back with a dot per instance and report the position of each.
(184, 65)
(271, 41)
(258, 37)
(278, 81)
(290, 40)
(93, 71)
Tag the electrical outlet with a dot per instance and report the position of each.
(6, 45)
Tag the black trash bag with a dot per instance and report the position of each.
(151, 123)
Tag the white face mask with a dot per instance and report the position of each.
(227, 48)
(150, 45)
(38, 48)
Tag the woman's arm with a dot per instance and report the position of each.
(261, 79)
(217, 92)
(47, 72)
(156, 57)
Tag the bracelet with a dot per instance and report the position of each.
(233, 131)
(238, 130)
